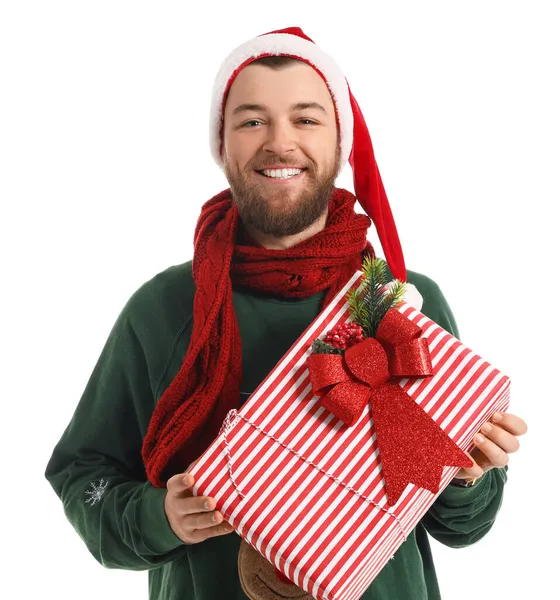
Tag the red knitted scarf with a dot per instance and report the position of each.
(189, 414)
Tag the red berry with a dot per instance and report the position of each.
(344, 335)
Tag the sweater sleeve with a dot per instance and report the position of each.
(460, 516)
(96, 467)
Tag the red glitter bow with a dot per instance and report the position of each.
(412, 447)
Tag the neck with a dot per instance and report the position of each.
(272, 242)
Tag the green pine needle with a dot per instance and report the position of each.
(358, 308)
(368, 303)
(394, 295)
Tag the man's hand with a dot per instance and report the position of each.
(193, 519)
(495, 442)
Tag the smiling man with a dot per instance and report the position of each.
(196, 340)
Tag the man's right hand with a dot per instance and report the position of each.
(193, 519)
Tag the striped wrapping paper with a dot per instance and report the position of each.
(306, 491)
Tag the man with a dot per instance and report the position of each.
(197, 339)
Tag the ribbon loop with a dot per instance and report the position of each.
(408, 353)
(347, 400)
(326, 370)
(395, 328)
(411, 359)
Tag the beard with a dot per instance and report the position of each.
(292, 211)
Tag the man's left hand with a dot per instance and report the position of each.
(495, 441)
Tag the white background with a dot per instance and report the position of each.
(104, 165)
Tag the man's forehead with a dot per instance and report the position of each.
(296, 86)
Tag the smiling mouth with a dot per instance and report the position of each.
(279, 175)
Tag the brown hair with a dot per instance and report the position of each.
(276, 62)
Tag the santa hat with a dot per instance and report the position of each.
(355, 142)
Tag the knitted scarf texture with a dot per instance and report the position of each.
(189, 414)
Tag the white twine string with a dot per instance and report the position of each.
(231, 419)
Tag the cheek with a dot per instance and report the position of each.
(240, 149)
(324, 152)
(322, 145)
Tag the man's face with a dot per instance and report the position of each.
(275, 120)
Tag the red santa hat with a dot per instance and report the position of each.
(355, 142)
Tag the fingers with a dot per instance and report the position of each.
(502, 438)
(494, 454)
(511, 423)
(198, 521)
(198, 525)
(195, 519)
(188, 469)
(466, 472)
(192, 518)
(494, 443)
(195, 505)
(180, 485)
(199, 535)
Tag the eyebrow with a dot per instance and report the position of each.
(261, 108)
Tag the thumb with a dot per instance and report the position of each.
(192, 465)
(474, 471)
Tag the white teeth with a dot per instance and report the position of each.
(282, 173)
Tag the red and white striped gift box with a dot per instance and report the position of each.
(306, 491)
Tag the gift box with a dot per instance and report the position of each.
(307, 491)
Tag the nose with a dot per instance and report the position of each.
(280, 139)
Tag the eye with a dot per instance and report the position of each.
(250, 124)
(307, 122)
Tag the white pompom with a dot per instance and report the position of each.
(411, 295)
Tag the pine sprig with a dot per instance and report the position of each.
(376, 270)
(369, 303)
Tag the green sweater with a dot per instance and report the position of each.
(96, 467)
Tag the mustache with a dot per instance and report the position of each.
(277, 161)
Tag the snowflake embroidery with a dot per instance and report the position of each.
(96, 491)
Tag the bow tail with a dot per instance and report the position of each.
(412, 447)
